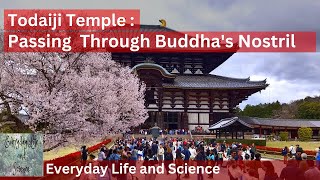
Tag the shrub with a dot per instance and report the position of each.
(283, 135)
(304, 133)
(271, 137)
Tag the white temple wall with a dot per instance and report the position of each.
(193, 118)
(204, 118)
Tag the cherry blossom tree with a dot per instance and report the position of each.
(6, 85)
(71, 97)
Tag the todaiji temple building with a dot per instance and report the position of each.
(181, 92)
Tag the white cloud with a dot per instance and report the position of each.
(282, 91)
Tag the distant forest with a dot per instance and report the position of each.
(307, 108)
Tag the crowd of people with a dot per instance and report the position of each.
(293, 152)
(166, 132)
(196, 130)
(240, 161)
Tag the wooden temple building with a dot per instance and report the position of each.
(237, 127)
(181, 91)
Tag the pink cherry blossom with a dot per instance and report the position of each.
(72, 97)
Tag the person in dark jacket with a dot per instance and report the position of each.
(284, 153)
(187, 156)
(168, 158)
(178, 162)
(291, 171)
(200, 159)
(84, 155)
(270, 173)
(253, 151)
(154, 148)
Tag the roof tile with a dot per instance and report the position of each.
(212, 82)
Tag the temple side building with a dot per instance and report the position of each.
(181, 91)
(238, 127)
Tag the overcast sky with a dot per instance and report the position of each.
(291, 75)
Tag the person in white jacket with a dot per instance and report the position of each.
(161, 153)
(102, 155)
(174, 149)
(193, 152)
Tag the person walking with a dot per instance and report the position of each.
(200, 160)
(179, 162)
(102, 154)
(270, 173)
(160, 153)
(318, 159)
(187, 156)
(284, 153)
(168, 158)
(253, 151)
(293, 151)
(84, 155)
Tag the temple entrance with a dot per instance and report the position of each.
(171, 120)
(173, 126)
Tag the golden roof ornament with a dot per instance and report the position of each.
(163, 23)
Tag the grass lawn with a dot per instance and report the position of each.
(58, 152)
(312, 145)
(272, 156)
(64, 150)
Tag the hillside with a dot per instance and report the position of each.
(307, 108)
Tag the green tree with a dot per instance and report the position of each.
(283, 135)
(261, 110)
(309, 110)
(305, 133)
(237, 110)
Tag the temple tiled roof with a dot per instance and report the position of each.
(251, 121)
(227, 122)
(282, 122)
(155, 28)
(163, 71)
(213, 82)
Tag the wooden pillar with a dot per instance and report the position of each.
(184, 124)
(236, 134)
(260, 132)
(180, 119)
(273, 130)
(211, 116)
(220, 133)
(216, 133)
(231, 133)
(152, 118)
(160, 119)
(225, 133)
(185, 121)
(242, 134)
(211, 119)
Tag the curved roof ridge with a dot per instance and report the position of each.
(261, 81)
(232, 78)
(227, 122)
(225, 119)
(153, 65)
(157, 26)
(243, 122)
